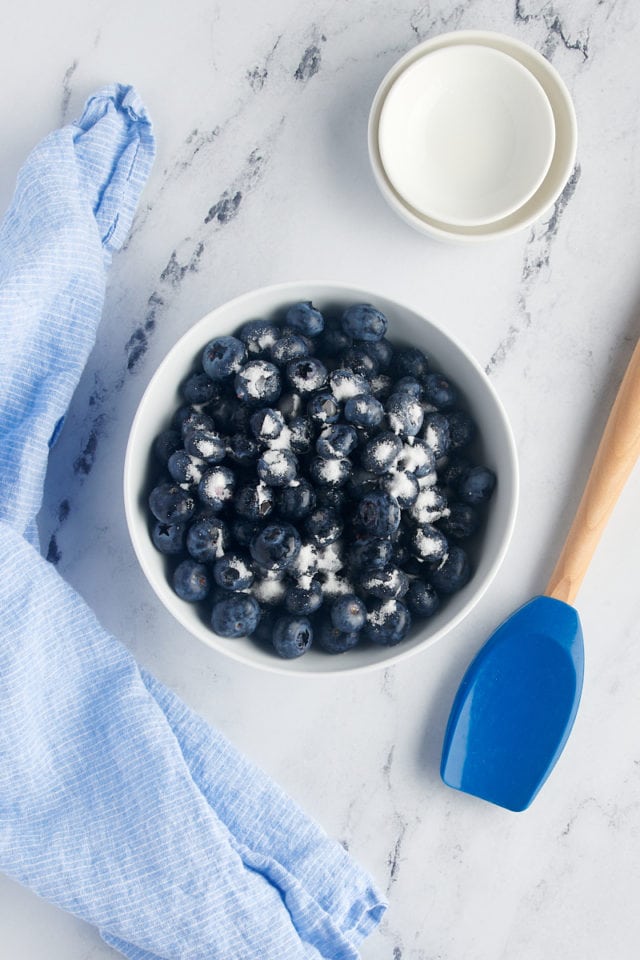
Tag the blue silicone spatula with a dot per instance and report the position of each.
(517, 702)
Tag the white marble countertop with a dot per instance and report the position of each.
(263, 107)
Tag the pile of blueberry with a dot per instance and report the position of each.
(317, 484)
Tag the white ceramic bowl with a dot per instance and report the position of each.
(496, 450)
(560, 168)
(466, 134)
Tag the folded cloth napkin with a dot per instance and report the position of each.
(116, 802)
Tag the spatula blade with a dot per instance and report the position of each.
(515, 707)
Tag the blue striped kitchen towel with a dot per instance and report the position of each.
(116, 802)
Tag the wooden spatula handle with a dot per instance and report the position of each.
(618, 451)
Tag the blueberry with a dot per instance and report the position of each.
(266, 424)
(405, 414)
(276, 546)
(336, 441)
(169, 503)
(439, 391)
(243, 531)
(324, 526)
(462, 428)
(166, 443)
(237, 616)
(258, 382)
(223, 357)
(323, 408)
(196, 420)
(199, 388)
(422, 599)
(191, 581)
(292, 636)
(348, 613)
(331, 473)
(185, 469)
(430, 505)
(217, 486)
(332, 640)
(278, 468)
(361, 362)
(304, 601)
(361, 482)
(381, 386)
(363, 322)
(300, 434)
(297, 501)
(334, 341)
(372, 553)
(259, 336)
(410, 362)
(453, 469)
(254, 500)
(378, 514)
(428, 544)
(388, 622)
(385, 584)
(264, 628)
(333, 497)
(168, 537)
(381, 453)
(476, 485)
(233, 572)
(403, 486)
(345, 383)
(206, 445)
(306, 375)
(364, 410)
(380, 350)
(305, 564)
(207, 539)
(418, 458)
(409, 386)
(242, 449)
(453, 573)
(289, 348)
(435, 431)
(304, 317)
(461, 521)
(181, 413)
(290, 405)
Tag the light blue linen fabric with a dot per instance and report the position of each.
(116, 802)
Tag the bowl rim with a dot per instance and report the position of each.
(143, 547)
(497, 229)
(438, 63)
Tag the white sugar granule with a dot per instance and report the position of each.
(378, 617)
(207, 448)
(335, 586)
(346, 385)
(330, 470)
(269, 591)
(277, 463)
(412, 457)
(426, 509)
(428, 546)
(255, 376)
(194, 469)
(305, 564)
(401, 485)
(215, 486)
(383, 451)
(330, 557)
(282, 441)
